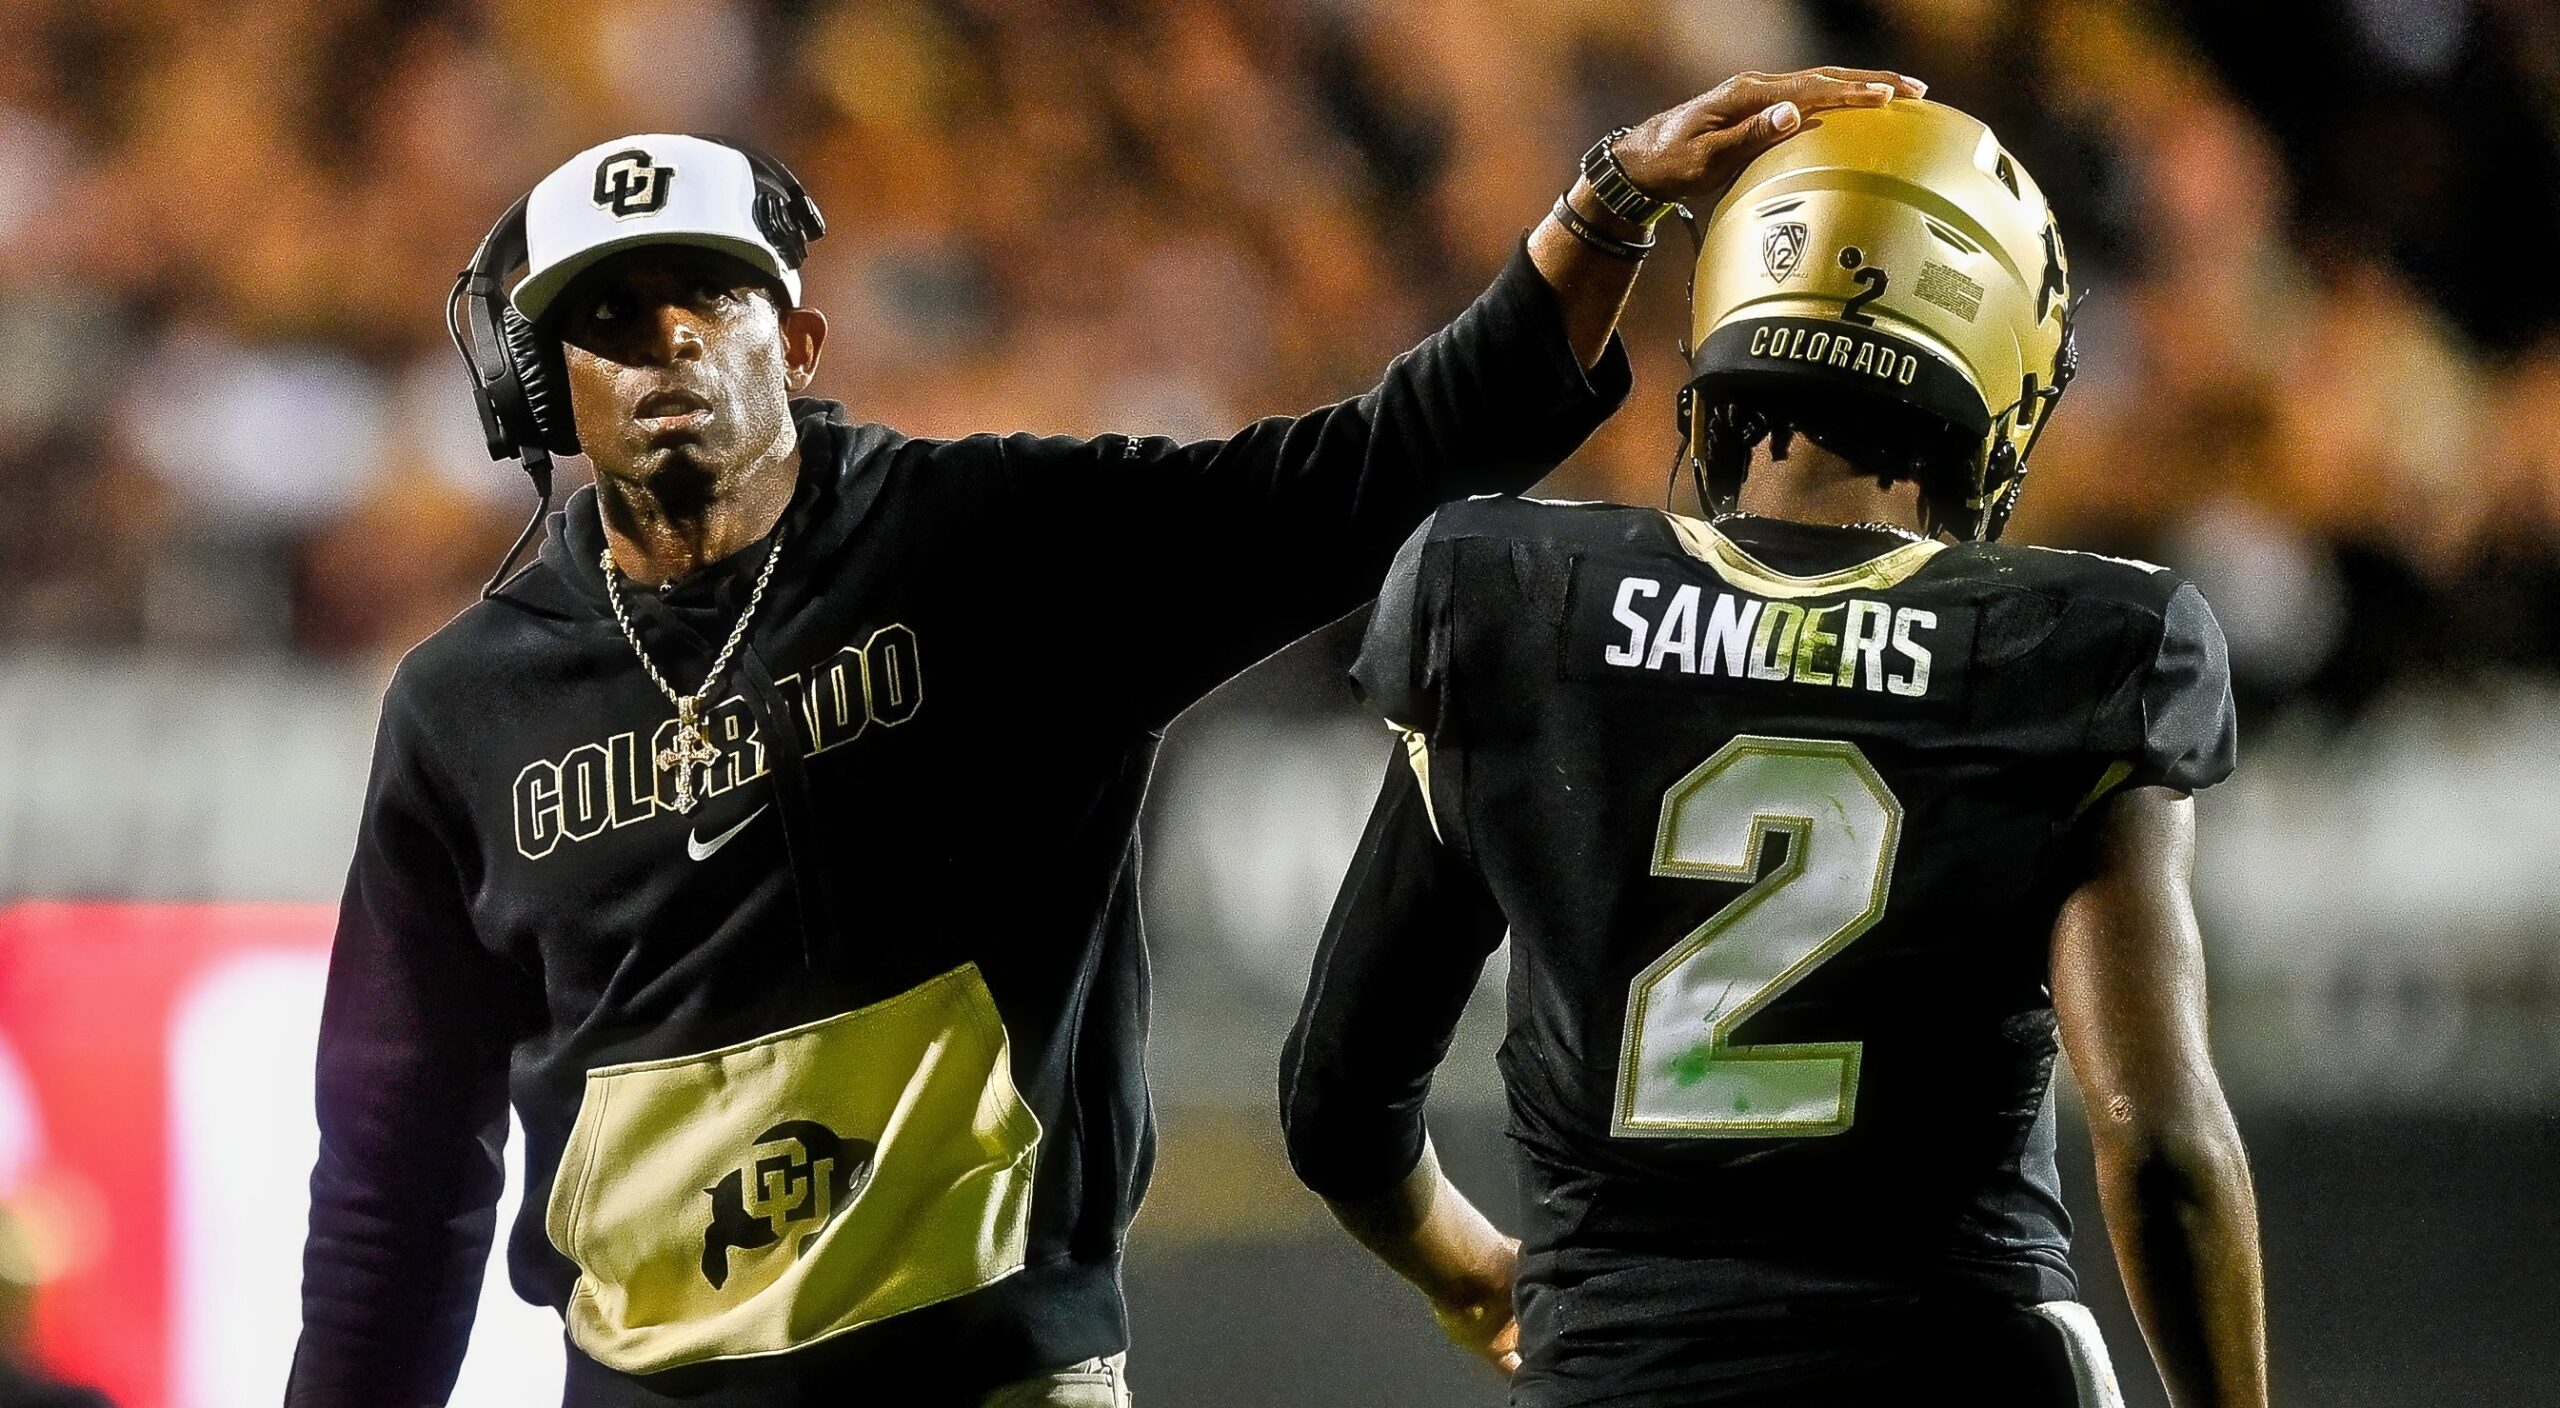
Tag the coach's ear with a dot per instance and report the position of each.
(804, 338)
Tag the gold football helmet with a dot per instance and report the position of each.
(1890, 282)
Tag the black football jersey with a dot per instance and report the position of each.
(1777, 816)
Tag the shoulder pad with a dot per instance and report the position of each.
(1571, 525)
(2067, 572)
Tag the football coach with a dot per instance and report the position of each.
(770, 843)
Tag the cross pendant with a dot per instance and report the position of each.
(688, 750)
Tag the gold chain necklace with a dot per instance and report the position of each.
(690, 748)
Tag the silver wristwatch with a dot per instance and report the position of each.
(1611, 188)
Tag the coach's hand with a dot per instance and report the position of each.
(1478, 1314)
(1692, 152)
(1688, 154)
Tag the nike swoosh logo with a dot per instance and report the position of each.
(700, 849)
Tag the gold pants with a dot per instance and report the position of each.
(1095, 1383)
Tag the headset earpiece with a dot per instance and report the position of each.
(521, 415)
(541, 386)
(515, 379)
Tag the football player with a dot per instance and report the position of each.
(1814, 821)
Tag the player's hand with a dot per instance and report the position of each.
(1691, 153)
(1478, 1315)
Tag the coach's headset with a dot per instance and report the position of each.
(1890, 283)
(517, 379)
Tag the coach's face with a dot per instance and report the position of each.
(680, 360)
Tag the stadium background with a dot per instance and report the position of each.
(240, 474)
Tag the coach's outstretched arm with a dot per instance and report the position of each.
(2129, 989)
(1231, 548)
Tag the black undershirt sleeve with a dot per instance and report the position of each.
(415, 1032)
(1407, 940)
(1397, 672)
(2190, 730)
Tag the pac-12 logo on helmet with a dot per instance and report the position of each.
(628, 183)
(1782, 249)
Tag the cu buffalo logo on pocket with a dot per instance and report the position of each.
(629, 183)
(797, 1179)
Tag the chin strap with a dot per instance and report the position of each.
(2004, 466)
(1685, 405)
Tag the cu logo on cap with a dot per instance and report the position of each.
(628, 184)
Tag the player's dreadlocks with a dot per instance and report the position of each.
(1880, 438)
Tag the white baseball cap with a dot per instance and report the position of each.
(653, 188)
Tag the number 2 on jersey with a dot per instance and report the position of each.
(1680, 1073)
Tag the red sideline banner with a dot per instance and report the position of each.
(156, 1139)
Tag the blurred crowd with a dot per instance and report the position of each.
(2321, 358)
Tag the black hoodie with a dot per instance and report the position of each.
(949, 701)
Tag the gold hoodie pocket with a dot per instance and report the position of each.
(768, 1195)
